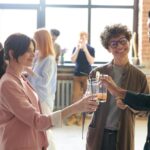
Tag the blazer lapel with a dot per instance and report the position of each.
(30, 93)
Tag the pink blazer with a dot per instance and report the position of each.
(22, 126)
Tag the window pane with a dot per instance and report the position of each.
(112, 2)
(112, 16)
(20, 1)
(24, 21)
(70, 22)
(66, 1)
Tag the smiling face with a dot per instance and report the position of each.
(119, 47)
(26, 59)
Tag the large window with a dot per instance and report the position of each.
(74, 16)
(113, 2)
(68, 16)
(24, 21)
(20, 1)
(67, 2)
(70, 22)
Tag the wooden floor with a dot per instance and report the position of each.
(70, 137)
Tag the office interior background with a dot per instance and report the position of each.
(69, 16)
(73, 16)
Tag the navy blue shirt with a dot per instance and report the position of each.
(82, 65)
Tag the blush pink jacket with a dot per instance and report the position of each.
(22, 126)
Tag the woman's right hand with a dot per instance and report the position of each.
(110, 84)
(87, 104)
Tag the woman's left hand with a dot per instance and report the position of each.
(120, 104)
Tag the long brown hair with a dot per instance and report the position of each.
(44, 42)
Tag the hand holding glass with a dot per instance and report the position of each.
(96, 87)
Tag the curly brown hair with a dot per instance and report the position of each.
(114, 31)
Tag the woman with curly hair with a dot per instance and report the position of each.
(112, 126)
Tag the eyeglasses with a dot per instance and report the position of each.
(122, 41)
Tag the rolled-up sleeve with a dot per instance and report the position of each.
(56, 119)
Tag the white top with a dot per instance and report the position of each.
(45, 79)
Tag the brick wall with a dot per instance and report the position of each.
(148, 79)
(144, 44)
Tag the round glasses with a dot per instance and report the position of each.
(122, 41)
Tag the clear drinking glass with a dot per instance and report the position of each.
(95, 87)
(102, 94)
(92, 88)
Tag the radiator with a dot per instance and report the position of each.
(63, 94)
